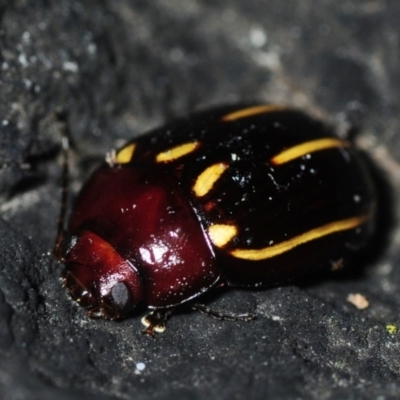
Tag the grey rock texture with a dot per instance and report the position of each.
(119, 68)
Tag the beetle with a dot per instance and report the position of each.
(249, 196)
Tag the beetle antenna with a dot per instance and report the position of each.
(65, 147)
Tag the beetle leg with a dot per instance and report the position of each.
(156, 321)
(222, 316)
(94, 313)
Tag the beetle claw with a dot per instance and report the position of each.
(102, 312)
(156, 321)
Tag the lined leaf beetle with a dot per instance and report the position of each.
(249, 196)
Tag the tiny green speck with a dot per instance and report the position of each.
(391, 329)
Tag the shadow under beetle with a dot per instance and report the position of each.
(244, 196)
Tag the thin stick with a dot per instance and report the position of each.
(58, 246)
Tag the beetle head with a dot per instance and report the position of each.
(99, 279)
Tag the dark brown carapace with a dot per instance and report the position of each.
(251, 196)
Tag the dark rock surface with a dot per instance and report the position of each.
(118, 68)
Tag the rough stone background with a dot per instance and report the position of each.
(119, 68)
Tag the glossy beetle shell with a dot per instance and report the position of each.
(249, 196)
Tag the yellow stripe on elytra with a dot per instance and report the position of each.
(177, 152)
(221, 234)
(250, 111)
(125, 154)
(313, 234)
(303, 149)
(205, 181)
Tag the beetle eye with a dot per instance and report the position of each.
(120, 296)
